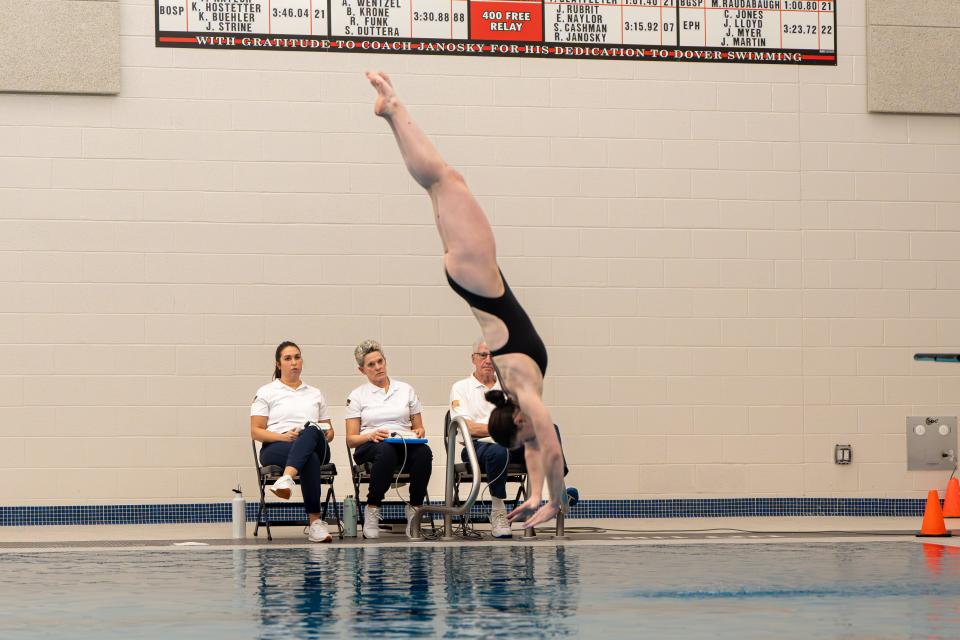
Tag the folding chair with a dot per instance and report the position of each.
(361, 475)
(267, 475)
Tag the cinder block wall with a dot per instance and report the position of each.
(732, 265)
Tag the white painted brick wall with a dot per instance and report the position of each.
(732, 265)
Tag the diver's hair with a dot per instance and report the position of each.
(501, 426)
(365, 347)
(276, 358)
(476, 344)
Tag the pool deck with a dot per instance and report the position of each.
(762, 530)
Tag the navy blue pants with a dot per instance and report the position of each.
(306, 454)
(387, 458)
(493, 460)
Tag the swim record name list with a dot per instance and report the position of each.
(775, 31)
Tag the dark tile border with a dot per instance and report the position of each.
(679, 508)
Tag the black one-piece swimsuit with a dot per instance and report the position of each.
(522, 337)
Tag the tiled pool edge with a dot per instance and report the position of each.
(678, 508)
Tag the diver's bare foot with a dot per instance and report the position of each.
(387, 101)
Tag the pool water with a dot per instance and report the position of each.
(810, 590)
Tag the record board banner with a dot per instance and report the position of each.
(759, 31)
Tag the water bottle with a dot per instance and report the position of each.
(350, 517)
(239, 514)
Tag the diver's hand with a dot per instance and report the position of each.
(545, 513)
(525, 509)
(533, 513)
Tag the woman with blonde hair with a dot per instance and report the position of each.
(384, 408)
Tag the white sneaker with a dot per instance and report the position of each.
(499, 525)
(319, 532)
(283, 487)
(371, 522)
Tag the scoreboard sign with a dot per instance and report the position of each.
(767, 31)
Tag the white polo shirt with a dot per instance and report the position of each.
(287, 409)
(380, 409)
(467, 401)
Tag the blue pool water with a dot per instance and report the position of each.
(816, 590)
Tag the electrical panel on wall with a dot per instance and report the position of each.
(931, 443)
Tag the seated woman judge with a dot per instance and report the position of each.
(290, 419)
(376, 410)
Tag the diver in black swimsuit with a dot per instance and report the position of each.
(470, 260)
(522, 336)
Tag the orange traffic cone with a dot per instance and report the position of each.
(951, 503)
(933, 525)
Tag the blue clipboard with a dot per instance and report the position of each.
(405, 440)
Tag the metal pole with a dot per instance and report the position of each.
(448, 487)
(449, 510)
(561, 535)
(531, 532)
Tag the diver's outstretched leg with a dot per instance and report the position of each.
(470, 254)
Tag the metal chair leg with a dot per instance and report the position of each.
(530, 532)
(262, 515)
(266, 520)
(326, 504)
(332, 495)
